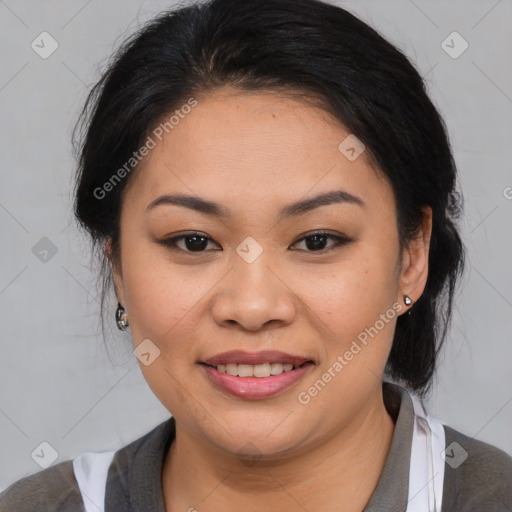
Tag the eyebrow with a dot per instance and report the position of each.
(292, 210)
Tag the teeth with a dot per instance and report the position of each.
(255, 370)
(276, 368)
(245, 370)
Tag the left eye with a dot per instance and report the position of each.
(317, 241)
(197, 242)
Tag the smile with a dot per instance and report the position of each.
(256, 370)
(255, 381)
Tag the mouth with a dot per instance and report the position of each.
(256, 370)
(264, 379)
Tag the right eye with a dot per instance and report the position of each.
(192, 242)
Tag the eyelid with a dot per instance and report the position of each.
(339, 240)
(170, 242)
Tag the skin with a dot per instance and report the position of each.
(254, 153)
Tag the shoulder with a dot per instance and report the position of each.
(52, 489)
(478, 476)
(134, 476)
(56, 489)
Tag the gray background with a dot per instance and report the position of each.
(59, 383)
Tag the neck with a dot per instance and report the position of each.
(347, 467)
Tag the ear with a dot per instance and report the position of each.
(116, 271)
(414, 272)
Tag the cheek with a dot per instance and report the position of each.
(163, 301)
(161, 295)
(347, 303)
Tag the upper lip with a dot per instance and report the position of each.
(253, 358)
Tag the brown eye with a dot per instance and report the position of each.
(316, 242)
(192, 242)
(198, 242)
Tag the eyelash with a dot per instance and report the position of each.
(339, 241)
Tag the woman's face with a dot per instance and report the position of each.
(256, 283)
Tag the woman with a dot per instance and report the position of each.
(274, 196)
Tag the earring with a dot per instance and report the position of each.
(407, 300)
(121, 318)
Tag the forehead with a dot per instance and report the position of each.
(257, 147)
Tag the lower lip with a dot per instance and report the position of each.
(254, 388)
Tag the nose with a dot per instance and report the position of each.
(254, 296)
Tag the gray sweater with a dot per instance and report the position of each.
(483, 482)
